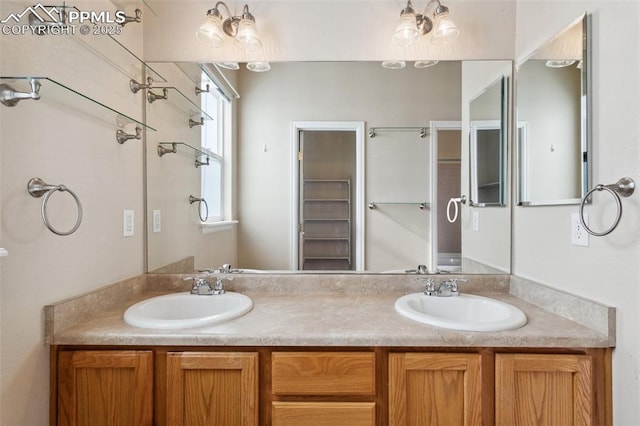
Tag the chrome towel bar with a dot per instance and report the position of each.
(37, 188)
(623, 187)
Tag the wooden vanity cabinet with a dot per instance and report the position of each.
(261, 386)
(105, 388)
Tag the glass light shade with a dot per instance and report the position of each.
(445, 30)
(247, 36)
(210, 32)
(406, 33)
(425, 64)
(234, 66)
(393, 65)
(259, 66)
(560, 63)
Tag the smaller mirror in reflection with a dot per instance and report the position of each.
(552, 98)
(487, 132)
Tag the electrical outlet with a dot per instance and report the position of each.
(156, 222)
(579, 235)
(127, 223)
(475, 221)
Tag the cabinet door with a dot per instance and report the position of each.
(105, 388)
(434, 389)
(543, 390)
(212, 389)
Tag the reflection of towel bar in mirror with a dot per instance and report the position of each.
(421, 205)
(423, 131)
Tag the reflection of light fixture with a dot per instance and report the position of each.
(398, 65)
(424, 64)
(242, 28)
(229, 65)
(259, 66)
(560, 63)
(393, 65)
(413, 25)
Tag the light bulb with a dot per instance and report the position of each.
(210, 32)
(406, 33)
(445, 30)
(247, 35)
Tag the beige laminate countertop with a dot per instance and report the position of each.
(336, 316)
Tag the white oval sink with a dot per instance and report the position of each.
(464, 312)
(185, 310)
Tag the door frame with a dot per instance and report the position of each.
(358, 128)
(434, 128)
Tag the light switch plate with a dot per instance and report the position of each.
(475, 221)
(127, 223)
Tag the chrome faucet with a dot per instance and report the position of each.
(202, 285)
(446, 288)
(224, 269)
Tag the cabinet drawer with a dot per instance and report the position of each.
(323, 414)
(323, 373)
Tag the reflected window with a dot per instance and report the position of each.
(215, 140)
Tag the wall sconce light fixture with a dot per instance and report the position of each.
(443, 30)
(242, 28)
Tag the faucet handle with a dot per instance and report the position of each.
(453, 285)
(430, 286)
(218, 287)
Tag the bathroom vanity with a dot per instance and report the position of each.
(293, 386)
(327, 350)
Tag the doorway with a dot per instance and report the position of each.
(328, 191)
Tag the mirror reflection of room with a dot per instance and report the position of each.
(487, 145)
(552, 111)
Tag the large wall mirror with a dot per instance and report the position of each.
(553, 99)
(332, 157)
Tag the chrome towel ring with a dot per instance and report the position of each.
(454, 202)
(37, 188)
(623, 187)
(200, 202)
